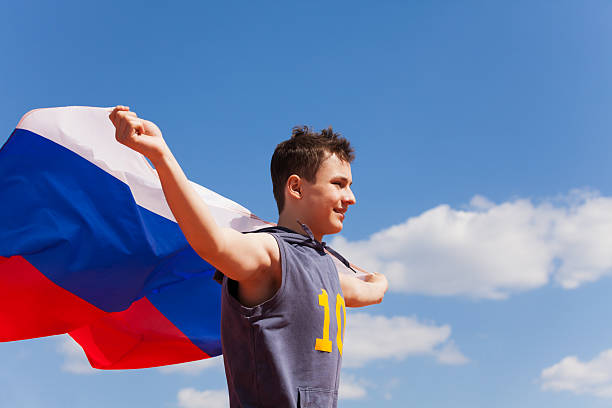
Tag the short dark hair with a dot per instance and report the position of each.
(303, 154)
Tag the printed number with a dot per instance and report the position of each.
(325, 343)
(340, 304)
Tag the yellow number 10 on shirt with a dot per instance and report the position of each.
(325, 343)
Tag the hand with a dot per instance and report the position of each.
(378, 279)
(138, 134)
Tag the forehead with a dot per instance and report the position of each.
(332, 167)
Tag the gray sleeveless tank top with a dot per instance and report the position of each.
(287, 351)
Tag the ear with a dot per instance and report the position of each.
(294, 186)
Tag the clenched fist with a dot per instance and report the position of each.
(138, 134)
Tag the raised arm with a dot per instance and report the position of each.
(242, 257)
(366, 292)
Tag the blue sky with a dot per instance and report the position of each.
(499, 300)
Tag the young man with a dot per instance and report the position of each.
(283, 301)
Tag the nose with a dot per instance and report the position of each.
(349, 198)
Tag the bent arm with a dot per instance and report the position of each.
(240, 256)
(358, 293)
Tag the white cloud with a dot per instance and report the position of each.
(74, 357)
(193, 367)
(570, 374)
(492, 250)
(450, 354)
(350, 388)
(192, 398)
(378, 337)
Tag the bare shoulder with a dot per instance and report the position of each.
(244, 256)
(267, 243)
(260, 285)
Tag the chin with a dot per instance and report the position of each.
(331, 226)
(336, 228)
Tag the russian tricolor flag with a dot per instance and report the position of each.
(89, 247)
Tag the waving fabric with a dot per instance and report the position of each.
(89, 247)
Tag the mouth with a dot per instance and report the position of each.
(340, 211)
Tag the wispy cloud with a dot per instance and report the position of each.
(370, 338)
(570, 374)
(193, 367)
(192, 398)
(450, 354)
(351, 388)
(74, 358)
(493, 250)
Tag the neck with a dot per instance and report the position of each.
(291, 222)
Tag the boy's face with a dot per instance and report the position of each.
(327, 199)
